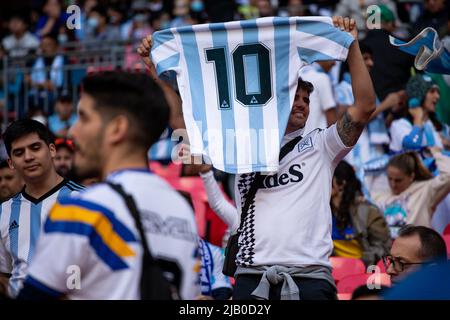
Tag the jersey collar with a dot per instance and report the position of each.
(46, 195)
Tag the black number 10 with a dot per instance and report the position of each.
(252, 76)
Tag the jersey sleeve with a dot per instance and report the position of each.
(76, 233)
(165, 54)
(318, 39)
(333, 145)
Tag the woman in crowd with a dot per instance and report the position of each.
(359, 229)
(413, 190)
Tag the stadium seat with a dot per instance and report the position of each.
(350, 283)
(447, 243)
(343, 267)
(447, 229)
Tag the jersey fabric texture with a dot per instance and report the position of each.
(21, 220)
(238, 79)
(289, 221)
(95, 234)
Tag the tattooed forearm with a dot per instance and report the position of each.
(349, 130)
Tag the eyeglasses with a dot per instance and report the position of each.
(397, 264)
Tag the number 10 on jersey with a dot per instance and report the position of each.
(251, 71)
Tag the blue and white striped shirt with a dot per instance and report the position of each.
(238, 80)
(21, 220)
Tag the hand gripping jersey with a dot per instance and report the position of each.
(93, 237)
(21, 220)
(238, 80)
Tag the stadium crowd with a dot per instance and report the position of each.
(390, 195)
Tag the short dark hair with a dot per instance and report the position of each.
(134, 94)
(364, 291)
(433, 247)
(24, 127)
(305, 85)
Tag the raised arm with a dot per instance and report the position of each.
(352, 122)
(173, 99)
(225, 210)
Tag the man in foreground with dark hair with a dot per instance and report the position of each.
(120, 115)
(414, 246)
(31, 152)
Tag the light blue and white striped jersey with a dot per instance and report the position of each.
(21, 220)
(238, 79)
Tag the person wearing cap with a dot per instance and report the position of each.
(420, 128)
(63, 160)
(63, 118)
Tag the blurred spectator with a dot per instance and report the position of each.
(265, 8)
(443, 106)
(248, 9)
(392, 67)
(63, 160)
(53, 19)
(21, 42)
(139, 25)
(294, 8)
(64, 117)
(435, 15)
(413, 190)
(182, 13)
(420, 128)
(415, 246)
(322, 106)
(10, 181)
(98, 28)
(359, 229)
(358, 11)
(47, 76)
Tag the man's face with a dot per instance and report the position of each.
(88, 134)
(10, 183)
(300, 110)
(49, 47)
(434, 6)
(404, 250)
(64, 109)
(17, 26)
(63, 161)
(32, 157)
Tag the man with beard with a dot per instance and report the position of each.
(63, 160)
(31, 152)
(10, 181)
(120, 115)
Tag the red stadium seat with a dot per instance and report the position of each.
(343, 267)
(447, 243)
(350, 283)
(447, 229)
